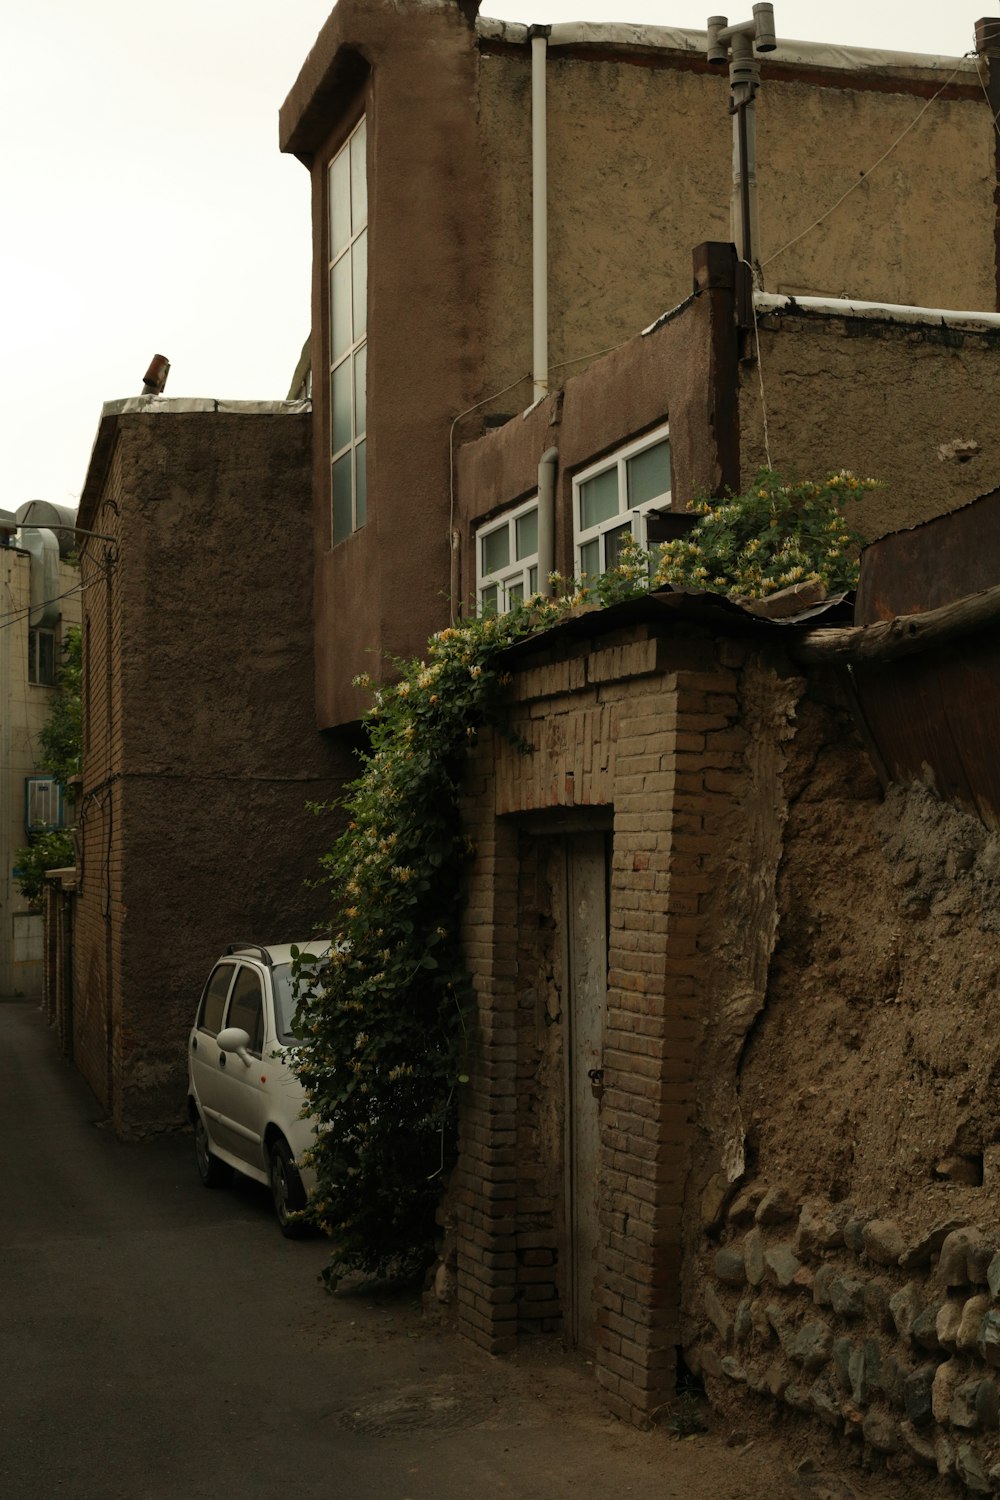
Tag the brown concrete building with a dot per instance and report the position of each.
(622, 919)
(41, 589)
(428, 317)
(199, 752)
(622, 913)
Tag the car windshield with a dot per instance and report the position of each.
(284, 1003)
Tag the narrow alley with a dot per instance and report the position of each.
(159, 1341)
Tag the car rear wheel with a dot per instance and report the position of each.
(213, 1172)
(287, 1193)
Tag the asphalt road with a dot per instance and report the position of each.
(162, 1342)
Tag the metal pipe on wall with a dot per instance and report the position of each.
(539, 215)
(547, 466)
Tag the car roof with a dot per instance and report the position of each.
(280, 953)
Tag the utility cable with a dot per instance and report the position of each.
(865, 175)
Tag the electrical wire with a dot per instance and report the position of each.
(865, 175)
(14, 617)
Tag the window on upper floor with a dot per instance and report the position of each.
(507, 559)
(347, 188)
(43, 804)
(613, 499)
(42, 657)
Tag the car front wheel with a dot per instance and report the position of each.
(213, 1172)
(287, 1192)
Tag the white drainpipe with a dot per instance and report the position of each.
(539, 215)
(547, 465)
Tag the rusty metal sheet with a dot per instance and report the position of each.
(936, 719)
(910, 571)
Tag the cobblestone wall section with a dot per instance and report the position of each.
(888, 1339)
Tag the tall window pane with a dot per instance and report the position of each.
(340, 209)
(341, 321)
(347, 185)
(526, 531)
(590, 559)
(599, 498)
(359, 281)
(361, 389)
(359, 178)
(343, 427)
(496, 549)
(649, 474)
(343, 498)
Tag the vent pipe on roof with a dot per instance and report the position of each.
(539, 214)
(738, 45)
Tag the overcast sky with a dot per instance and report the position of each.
(147, 208)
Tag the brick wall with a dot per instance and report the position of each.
(638, 733)
(200, 747)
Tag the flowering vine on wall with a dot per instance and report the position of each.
(385, 1023)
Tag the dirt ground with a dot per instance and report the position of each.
(543, 1407)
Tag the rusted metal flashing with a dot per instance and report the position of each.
(931, 565)
(988, 47)
(935, 715)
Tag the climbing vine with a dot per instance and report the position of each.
(62, 746)
(770, 537)
(384, 1021)
(384, 1024)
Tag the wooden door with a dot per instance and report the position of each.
(586, 959)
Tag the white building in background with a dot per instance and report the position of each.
(39, 601)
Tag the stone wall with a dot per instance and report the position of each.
(845, 1272)
(893, 1343)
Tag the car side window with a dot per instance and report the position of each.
(246, 1007)
(213, 1001)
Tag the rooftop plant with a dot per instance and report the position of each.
(770, 537)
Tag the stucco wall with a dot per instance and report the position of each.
(882, 399)
(919, 230)
(639, 158)
(195, 826)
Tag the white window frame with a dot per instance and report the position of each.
(517, 573)
(353, 450)
(634, 514)
(36, 676)
(43, 804)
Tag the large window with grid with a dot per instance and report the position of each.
(612, 500)
(347, 185)
(507, 559)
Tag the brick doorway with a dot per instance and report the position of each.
(563, 923)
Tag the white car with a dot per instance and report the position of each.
(244, 1100)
